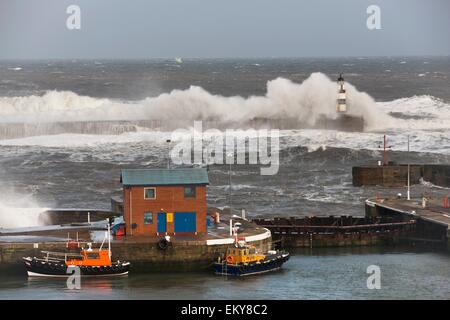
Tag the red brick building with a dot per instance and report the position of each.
(160, 202)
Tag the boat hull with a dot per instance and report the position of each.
(40, 268)
(271, 263)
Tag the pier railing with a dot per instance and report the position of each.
(344, 224)
(336, 231)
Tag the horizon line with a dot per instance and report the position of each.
(230, 57)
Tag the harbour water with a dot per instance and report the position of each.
(317, 274)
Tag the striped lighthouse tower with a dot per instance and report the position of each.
(342, 98)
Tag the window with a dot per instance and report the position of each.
(93, 256)
(148, 217)
(149, 193)
(189, 192)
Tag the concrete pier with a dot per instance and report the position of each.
(143, 254)
(182, 253)
(67, 216)
(432, 220)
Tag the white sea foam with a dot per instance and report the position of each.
(12, 217)
(418, 106)
(19, 208)
(429, 113)
(305, 102)
(425, 118)
(431, 185)
(420, 141)
(71, 140)
(312, 139)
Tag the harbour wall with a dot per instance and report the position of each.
(116, 127)
(142, 251)
(437, 174)
(144, 254)
(344, 231)
(70, 216)
(397, 175)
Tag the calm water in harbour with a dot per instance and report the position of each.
(316, 274)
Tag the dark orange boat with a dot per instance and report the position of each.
(91, 262)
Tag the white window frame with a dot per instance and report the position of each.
(154, 192)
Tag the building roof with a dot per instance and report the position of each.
(164, 177)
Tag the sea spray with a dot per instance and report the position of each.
(16, 217)
(304, 103)
(18, 208)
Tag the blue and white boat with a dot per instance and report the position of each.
(244, 260)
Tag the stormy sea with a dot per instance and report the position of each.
(67, 128)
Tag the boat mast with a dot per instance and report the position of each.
(109, 241)
(408, 193)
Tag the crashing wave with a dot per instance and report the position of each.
(285, 105)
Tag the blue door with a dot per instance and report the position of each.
(162, 222)
(185, 222)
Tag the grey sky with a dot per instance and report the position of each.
(226, 28)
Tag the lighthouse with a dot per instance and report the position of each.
(342, 98)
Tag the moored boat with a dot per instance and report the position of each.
(89, 262)
(92, 263)
(244, 260)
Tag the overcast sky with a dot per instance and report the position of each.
(226, 28)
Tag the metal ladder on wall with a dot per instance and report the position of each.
(224, 268)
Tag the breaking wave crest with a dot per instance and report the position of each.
(303, 104)
(59, 119)
(418, 113)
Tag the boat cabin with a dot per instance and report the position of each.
(246, 254)
(90, 257)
